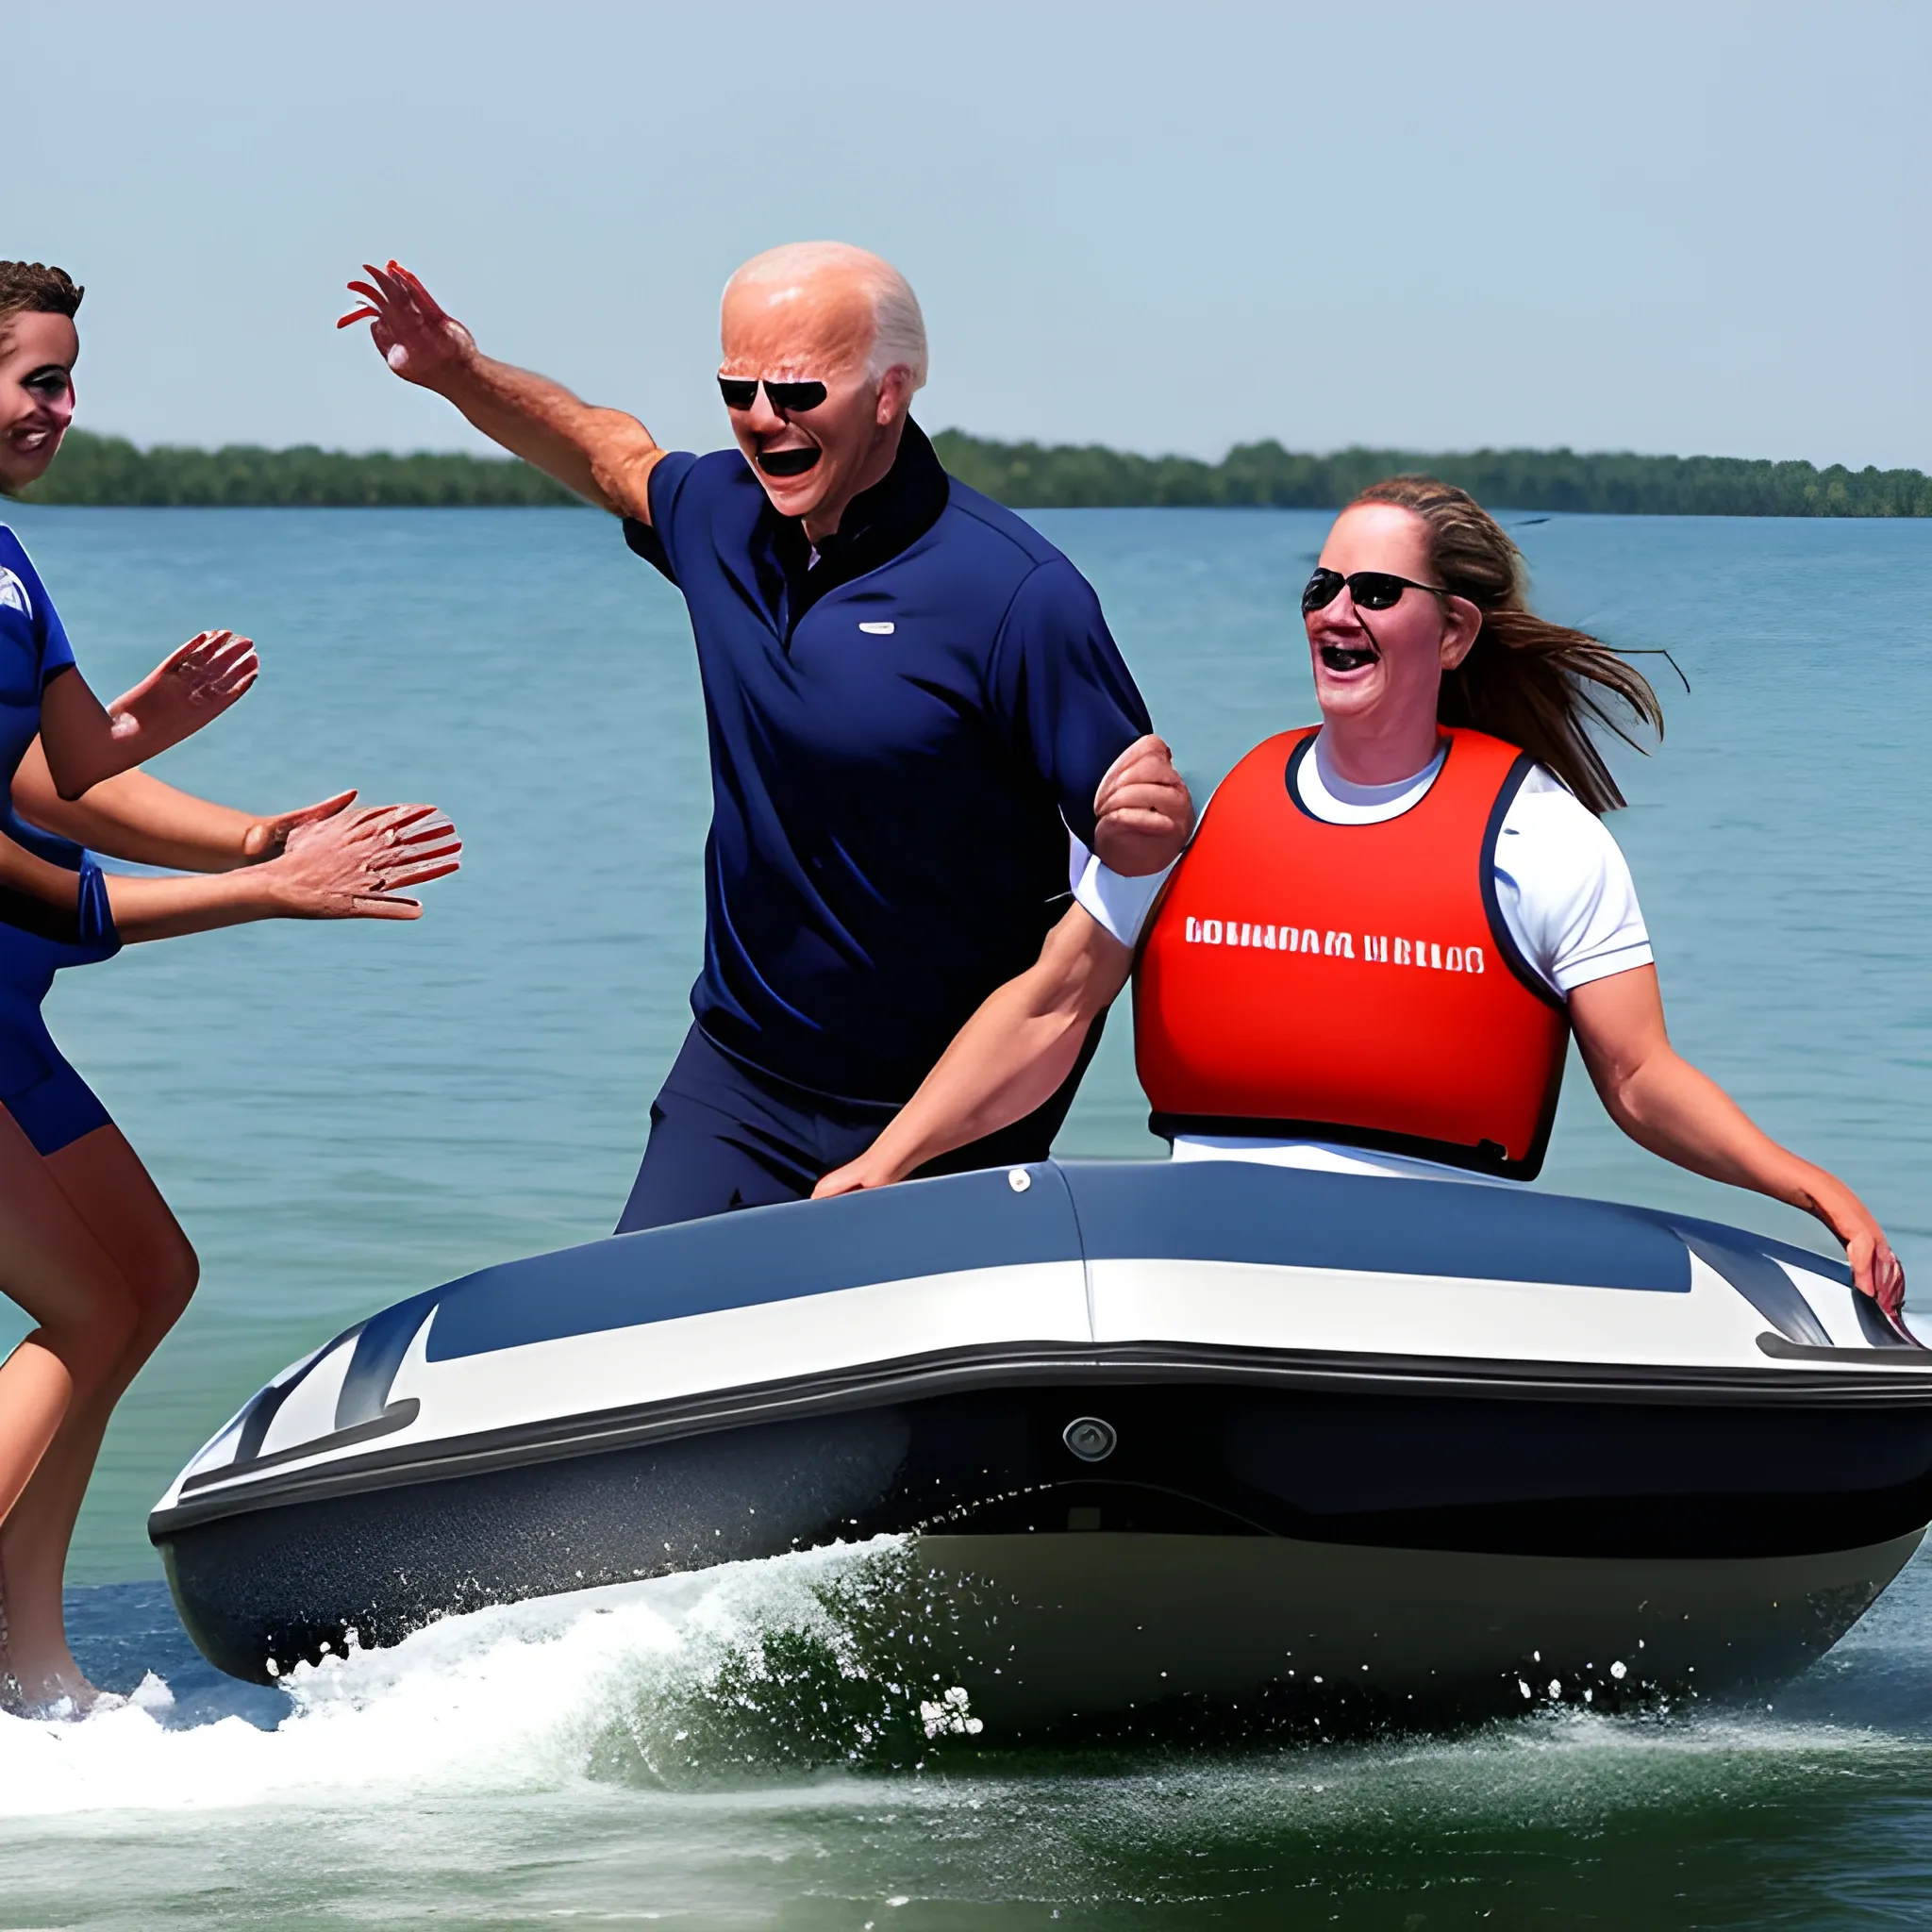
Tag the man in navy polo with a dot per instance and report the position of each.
(919, 724)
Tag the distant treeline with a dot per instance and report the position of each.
(110, 470)
(1264, 474)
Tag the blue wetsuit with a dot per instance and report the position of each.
(53, 1105)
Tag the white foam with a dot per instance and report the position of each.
(506, 1700)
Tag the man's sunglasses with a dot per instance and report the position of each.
(1373, 589)
(791, 398)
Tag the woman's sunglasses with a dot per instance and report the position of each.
(791, 398)
(1373, 589)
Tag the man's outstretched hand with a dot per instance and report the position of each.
(604, 456)
(418, 339)
(1143, 814)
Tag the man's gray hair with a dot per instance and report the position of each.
(898, 339)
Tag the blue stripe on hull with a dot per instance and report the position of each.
(1243, 1210)
(760, 1255)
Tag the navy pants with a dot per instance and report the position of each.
(725, 1135)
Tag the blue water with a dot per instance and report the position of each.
(342, 1115)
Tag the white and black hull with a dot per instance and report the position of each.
(1159, 1430)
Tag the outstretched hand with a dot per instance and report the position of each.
(187, 689)
(1143, 814)
(416, 337)
(338, 864)
(269, 838)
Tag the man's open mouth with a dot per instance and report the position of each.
(1348, 658)
(789, 462)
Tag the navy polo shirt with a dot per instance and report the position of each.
(904, 726)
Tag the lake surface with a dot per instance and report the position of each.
(342, 1115)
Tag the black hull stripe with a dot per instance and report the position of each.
(398, 1415)
(1412, 1470)
(1763, 1284)
(1022, 1365)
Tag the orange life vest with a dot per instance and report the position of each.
(1352, 983)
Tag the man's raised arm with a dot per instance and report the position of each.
(602, 455)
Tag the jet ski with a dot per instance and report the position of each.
(1196, 1431)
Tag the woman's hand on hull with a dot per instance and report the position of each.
(853, 1177)
(361, 865)
(409, 326)
(1665, 1104)
(1876, 1269)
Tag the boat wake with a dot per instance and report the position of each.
(747, 1670)
(755, 1675)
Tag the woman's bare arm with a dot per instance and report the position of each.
(85, 741)
(135, 816)
(1009, 1057)
(1664, 1103)
(349, 865)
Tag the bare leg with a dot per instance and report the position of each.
(53, 1266)
(112, 1195)
(35, 1388)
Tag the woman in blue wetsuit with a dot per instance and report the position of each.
(88, 1247)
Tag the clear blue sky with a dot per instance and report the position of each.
(1681, 228)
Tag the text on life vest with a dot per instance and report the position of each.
(1376, 947)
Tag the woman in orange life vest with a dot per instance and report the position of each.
(1373, 953)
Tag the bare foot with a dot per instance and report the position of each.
(10, 1694)
(62, 1690)
(72, 1698)
(56, 1693)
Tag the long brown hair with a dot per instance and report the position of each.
(1525, 680)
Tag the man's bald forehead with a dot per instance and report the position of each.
(820, 293)
(798, 265)
(815, 320)
(845, 301)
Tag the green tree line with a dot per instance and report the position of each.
(1265, 475)
(110, 470)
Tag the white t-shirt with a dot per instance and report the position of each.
(1562, 886)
